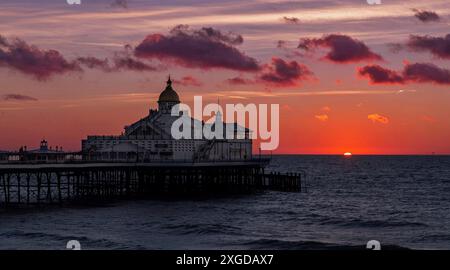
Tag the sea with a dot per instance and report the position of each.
(399, 201)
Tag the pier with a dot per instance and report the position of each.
(34, 184)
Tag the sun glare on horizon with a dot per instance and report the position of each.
(347, 154)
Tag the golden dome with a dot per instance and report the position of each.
(169, 95)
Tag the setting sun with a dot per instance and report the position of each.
(347, 154)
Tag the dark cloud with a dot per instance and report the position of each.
(426, 16)
(118, 63)
(412, 73)
(188, 81)
(28, 59)
(287, 51)
(16, 54)
(378, 74)
(424, 72)
(130, 63)
(120, 3)
(17, 97)
(344, 49)
(209, 33)
(204, 48)
(291, 20)
(439, 46)
(95, 63)
(395, 47)
(282, 73)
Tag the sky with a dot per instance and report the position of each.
(348, 76)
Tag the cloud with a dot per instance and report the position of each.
(29, 59)
(424, 72)
(118, 63)
(344, 49)
(239, 81)
(291, 20)
(439, 46)
(377, 118)
(412, 73)
(43, 64)
(426, 16)
(17, 97)
(120, 3)
(94, 63)
(205, 48)
(322, 117)
(378, 74)
(129, 63)
(212, 34)
(188, 81)
(282, 73)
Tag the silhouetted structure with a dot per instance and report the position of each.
(43, 154)
(150, 139)
(144, 161)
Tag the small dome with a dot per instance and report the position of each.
(169, 95)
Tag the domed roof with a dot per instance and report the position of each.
(169, 95)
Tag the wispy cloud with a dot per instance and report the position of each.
(291, 20)
(426, 16)
(120, 3)
(17, 97)
(281, 94)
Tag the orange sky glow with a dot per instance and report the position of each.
(332, 100)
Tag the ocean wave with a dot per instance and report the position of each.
(371, 223)
(276, 244)
(47, 237)
(433, 238)
(203, 229)
(293, 245)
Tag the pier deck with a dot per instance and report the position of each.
(58, 183)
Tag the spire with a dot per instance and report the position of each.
(218, 113)
(169, 81)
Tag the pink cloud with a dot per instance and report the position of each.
(343, 49)
(412, 73)
(282, 73)
(378, 74)
(30, 60)
(204, 48)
